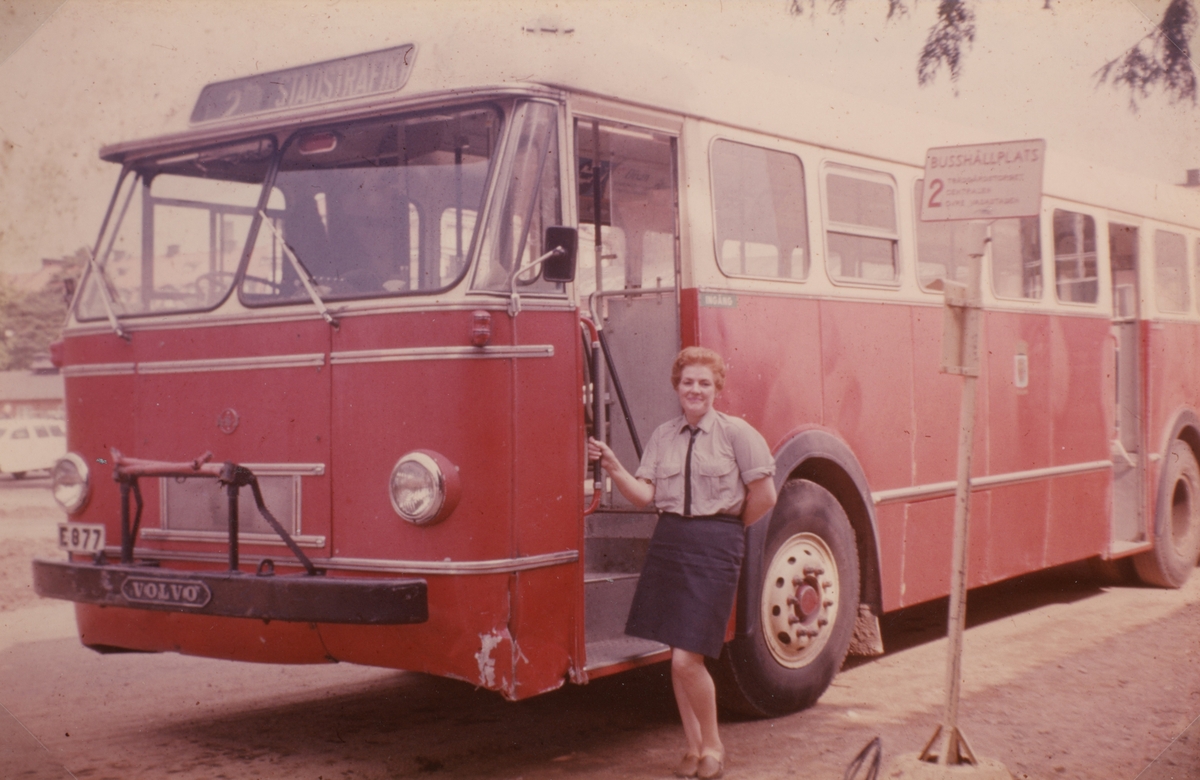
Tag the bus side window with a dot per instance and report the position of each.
(1198, 265)
(1170, 272)
(1017, 258)
(942, 253)
(862, 239)
(759, 211)
(1075, 257)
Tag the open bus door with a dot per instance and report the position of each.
(628, 272)
(1128, 465)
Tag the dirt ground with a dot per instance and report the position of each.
(1065, 677)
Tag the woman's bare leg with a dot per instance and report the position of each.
(696, 697)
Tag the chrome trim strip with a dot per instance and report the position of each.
(497, 566)
(942, 489)
(231, 315)
(100, 369)
(439, 353)
(221, 536)
(310, 360)
(454, 568)
(286, 469)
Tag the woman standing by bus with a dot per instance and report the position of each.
(709, 475)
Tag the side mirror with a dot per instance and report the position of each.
(561, 266)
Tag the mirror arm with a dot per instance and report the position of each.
(514, 298)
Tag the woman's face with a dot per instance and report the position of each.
(696, 389)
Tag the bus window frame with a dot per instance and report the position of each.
(810, 263)
(863, 231)
(493, 194)
(1194, 268)
(1050, 254)
(145, 170)
(1188, 276)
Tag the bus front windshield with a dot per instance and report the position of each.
(379, 207)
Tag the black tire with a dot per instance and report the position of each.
(1176, 523)
(784, 666)
(18, 475)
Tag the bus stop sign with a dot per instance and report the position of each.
(988, 181)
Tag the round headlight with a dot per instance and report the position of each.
(70, 484)
(424, 487)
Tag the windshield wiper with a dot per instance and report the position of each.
(106, 296)
(305, 277)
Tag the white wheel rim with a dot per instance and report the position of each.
(800, 600)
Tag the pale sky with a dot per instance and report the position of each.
(79, 74)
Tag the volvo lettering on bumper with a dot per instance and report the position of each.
(177, 593)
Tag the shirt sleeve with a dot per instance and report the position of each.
(752, 453)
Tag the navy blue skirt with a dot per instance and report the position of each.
(688, 585)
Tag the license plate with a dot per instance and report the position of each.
(81, 537)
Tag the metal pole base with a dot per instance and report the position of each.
(948, 746)
(911, 767)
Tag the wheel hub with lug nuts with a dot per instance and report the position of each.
(799, 600)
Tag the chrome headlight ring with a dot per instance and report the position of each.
(70, 483)
(424, 487)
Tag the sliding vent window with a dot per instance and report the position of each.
(1170, 272)
(863, 244)
(944, 252)
(759, 212)
(1075, 257)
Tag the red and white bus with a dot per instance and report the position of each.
(387, 298)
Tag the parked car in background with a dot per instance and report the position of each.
(31, 444)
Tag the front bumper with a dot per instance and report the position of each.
(293, 597)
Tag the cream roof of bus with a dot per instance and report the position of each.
(779, 103)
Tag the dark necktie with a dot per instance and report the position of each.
(687, 475)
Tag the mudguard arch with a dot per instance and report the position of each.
(817, 455)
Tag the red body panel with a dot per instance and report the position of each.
(513, 426)
(870, 373)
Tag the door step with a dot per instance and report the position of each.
(624, 649)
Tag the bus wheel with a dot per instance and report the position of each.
(1176, 524)
(807, 599)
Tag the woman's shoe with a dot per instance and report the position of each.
(710, 767)
(688, 766)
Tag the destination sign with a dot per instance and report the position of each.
(360, 75)
(987, 181)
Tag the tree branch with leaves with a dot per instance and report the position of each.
(1160, 60)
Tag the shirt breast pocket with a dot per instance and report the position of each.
(668, 486)
(719, 480)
